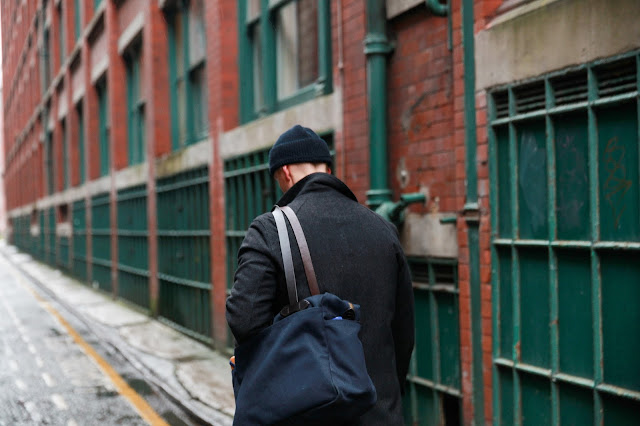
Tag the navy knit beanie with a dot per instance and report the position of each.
(298, 145)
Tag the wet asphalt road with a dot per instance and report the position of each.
(48, 378)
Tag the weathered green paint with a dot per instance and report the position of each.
(101, 242)
(471, 209)
(184, 270)
(395, 212)
(572, 268)
(51, 237)
(42, 239)
(79, 229)
(133, 262)
(433, 393)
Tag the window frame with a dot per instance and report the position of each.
(192, 135)
(266, 18)
(61, 33)
(103, 125)
(81, 142)
(64, 139)
(135, 105)
(77, 17)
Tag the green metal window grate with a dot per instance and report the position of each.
(50, 231)
(101, 241)
(21, 236)
(42, 238)
(79, 254)
(187, 62)
(433, 394)
(566, 239)
(63, 255)
(250, 191)
(133, 246)
(184, 269)
(135, 106)
(285, 54)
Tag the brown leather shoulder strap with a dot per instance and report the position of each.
(287, 259)
(304, 250)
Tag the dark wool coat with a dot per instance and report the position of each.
(357, 256)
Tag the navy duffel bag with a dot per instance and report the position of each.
(308, 367)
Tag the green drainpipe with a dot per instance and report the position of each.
(471, 209)
(377, 47)
(437, 8)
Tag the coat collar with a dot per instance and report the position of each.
(316, 182)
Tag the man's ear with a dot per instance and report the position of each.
(286, 172)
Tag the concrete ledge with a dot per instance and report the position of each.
(132, 176)
(548, 35)
(131, 32)
(191, 157)
(424, 235)
(63, 229)
(99, 68)
(323, 114)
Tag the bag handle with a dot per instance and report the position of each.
(286, 252)
(304, 250)
(287, 259)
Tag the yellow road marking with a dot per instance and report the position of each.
(140, 405)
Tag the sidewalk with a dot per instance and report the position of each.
(192, 374)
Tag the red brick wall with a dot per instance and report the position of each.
(420, 112)
(222, 75)
(352, 162)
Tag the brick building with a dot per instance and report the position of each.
(136, 140)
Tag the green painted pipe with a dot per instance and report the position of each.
(377, 47)
(437, 8)
(471, 210)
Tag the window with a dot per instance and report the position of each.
(46, 60)
(187, 54)
(135, 106)
(49, 161)
(78, 18)
(285, 54)
(81, 142)
(103, 126)
(565, 150)
(61, 34)
(65, 153)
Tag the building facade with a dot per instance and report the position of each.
(501, 136)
